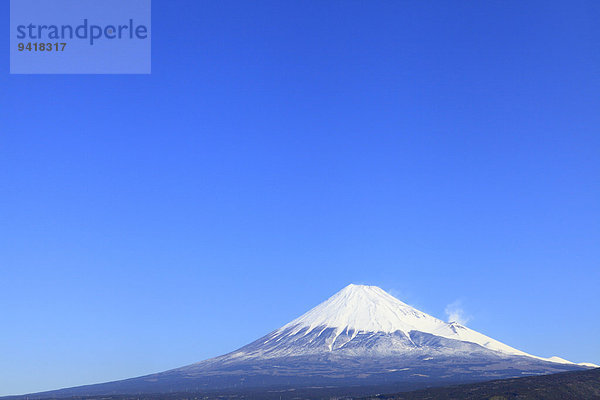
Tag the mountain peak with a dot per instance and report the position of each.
(366, 290)
(359, 309)
(363, 308)
(354, 286)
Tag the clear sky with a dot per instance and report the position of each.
(444, 151)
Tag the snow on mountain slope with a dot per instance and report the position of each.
(360, 309)
(364, 309)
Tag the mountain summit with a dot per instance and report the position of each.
(362, 308)
(366, 320)
(359, 309)
(360, 337)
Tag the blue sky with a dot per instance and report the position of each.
(281, 150)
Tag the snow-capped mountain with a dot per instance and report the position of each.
(360, 337)
(358, 311)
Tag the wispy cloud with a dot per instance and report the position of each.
(456, 313)
(396, 293)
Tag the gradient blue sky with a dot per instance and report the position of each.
(446, 151)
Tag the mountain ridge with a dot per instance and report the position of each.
(360, 336)
(360, 309)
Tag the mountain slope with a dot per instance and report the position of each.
(361, 336)
(358, 309)
(584, 385)
(365, 320)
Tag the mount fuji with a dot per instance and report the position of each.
(360, 337)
